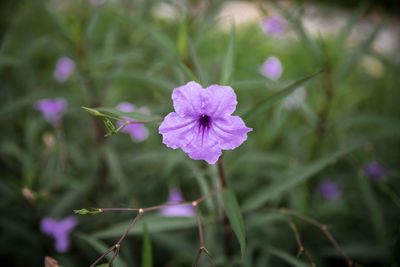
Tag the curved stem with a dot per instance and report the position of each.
(321, 226)
(115, 248)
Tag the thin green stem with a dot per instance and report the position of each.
(321, 226)
(225, 221)
(194, 203)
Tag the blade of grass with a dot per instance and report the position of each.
(354, 18)
(165, 42)
(156, 223)
(234, 215)
(147, 258)
(196, 63)
(353, 59)
(293, 261)
(270, 191)
(227, 68)
(301, 33)
(270, 101)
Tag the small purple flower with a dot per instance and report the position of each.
(202, 124)
(137, 132)
(52, 109)
(175, 197)
(59, 230)
(273, 25)
(64, 67)
(272, 68)
(330, 190)
(374, 171)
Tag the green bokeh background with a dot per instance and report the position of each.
(125, 53)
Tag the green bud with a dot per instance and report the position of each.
(93, 112)
(85, 211)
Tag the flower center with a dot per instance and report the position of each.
(204, 122)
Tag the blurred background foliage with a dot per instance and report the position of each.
(138, 51)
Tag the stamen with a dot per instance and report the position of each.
(204, 126)
(204, 122)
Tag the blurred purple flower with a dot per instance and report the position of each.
(52, 109)
(330, 190)
(59, 230)
(294, 100)
(273, 25)
(202, 124)
(375, 171)
(64, 67)
(272, 68)
(137, 132)
(175, 197)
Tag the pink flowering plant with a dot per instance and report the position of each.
(202, 125)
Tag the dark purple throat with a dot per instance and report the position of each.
(204, 122)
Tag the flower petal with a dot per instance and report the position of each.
(138, 132)
(177, 130)
(126, 107)
(188, 99)
(48, 225)
(62, 243)
(231, 131)
(204, 145)
(220, 101)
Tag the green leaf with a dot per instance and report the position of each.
(182, 40)
(132, 115)
(279, 186)
(85, 211)
(155, 223)
(166, 42)
(196, 63)
(256, 220)
(352, 21)
(156, 34)
(148, 79)
(374, 209)
(352, 60)
(110, 127)
(270, 101)
(234, 215)
(93, 112)
(301, 32)
(100, 247)
(147, 259)
(229, 58)
(188, 72)
(287, 257)
(57, 19)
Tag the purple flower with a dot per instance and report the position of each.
(272, 68)
(273, 25)
(175, 197)
(330, 190)
(202, 124)
(64, 67)
(374, 171)
(59, 230)
(52, 109)
(137, 132)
